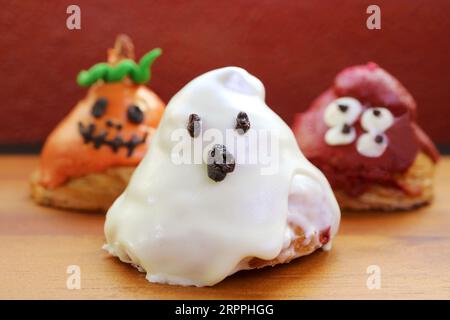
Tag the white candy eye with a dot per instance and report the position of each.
(340, 135)
(342, 110)
(377, 120)
(372, 145)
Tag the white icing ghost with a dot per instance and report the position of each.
(181, 227)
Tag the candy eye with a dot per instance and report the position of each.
(340, 135)
(377, 119)
(135, 114)
(342, 110)
(372, 145)
(99, 107)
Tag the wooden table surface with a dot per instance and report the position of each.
(37, 244)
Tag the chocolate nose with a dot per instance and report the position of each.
(220, 162)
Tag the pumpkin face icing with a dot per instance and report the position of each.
(117, 116)
(111, 126)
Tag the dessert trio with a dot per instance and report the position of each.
(358, 147)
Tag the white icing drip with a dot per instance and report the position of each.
(309, 207)
(196, 231)
(289, 236)
(328, 246)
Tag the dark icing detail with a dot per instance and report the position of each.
(343, 108)
(220, 162)
(116, 143)
(99, 139)
(346, 129)
(376, 112)
(99, 107)
(379, 139)
(110, 124)
(194, 125)
(242, 122)
(135, 114)
(133, 143)
(87, 132)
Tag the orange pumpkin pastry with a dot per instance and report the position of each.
(88, 159)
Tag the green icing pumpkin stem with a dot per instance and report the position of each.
(139, 73)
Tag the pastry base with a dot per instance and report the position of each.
(299, 246)
(417, 183)
(92, 192)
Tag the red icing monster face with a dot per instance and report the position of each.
(362, 130)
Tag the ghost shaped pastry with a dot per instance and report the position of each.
(88, 158)
(224, 187)
(362, 133)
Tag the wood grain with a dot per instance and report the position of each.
(37, 244)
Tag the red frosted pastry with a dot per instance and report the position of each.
(362, 133)
(88, 158)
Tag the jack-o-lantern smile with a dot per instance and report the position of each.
(98, 136)
(117, 142)
(110, 128)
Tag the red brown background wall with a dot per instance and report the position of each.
(294, 47)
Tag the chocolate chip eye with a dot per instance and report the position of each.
(343, 108)
(376, 112)
(135, 114)
(99, 107)
(242, 122)
(194, 125)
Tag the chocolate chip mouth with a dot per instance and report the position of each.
(99, 139)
